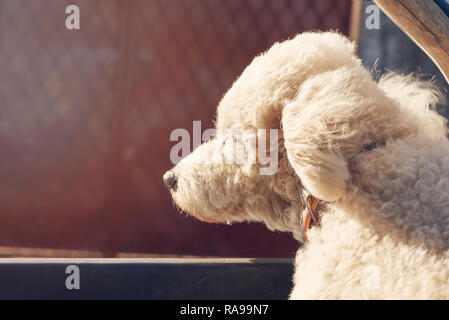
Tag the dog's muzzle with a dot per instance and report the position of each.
(170, 180)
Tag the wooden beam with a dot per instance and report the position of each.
(426, 24)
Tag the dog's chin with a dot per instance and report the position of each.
(207, 219)
(199, 216)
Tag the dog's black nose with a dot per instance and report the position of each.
(169, 180)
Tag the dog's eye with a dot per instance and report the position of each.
(373, 146)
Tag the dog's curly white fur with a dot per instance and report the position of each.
(386, 211)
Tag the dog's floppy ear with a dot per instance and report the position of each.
(320, 165)
(308, 133)
(333, 116)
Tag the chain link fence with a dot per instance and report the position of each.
(85, 117)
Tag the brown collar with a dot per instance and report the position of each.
(309, 215)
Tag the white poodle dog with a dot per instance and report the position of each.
(367, 161)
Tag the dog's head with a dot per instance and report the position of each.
(243, 173)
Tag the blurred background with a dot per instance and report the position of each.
(86, 115)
